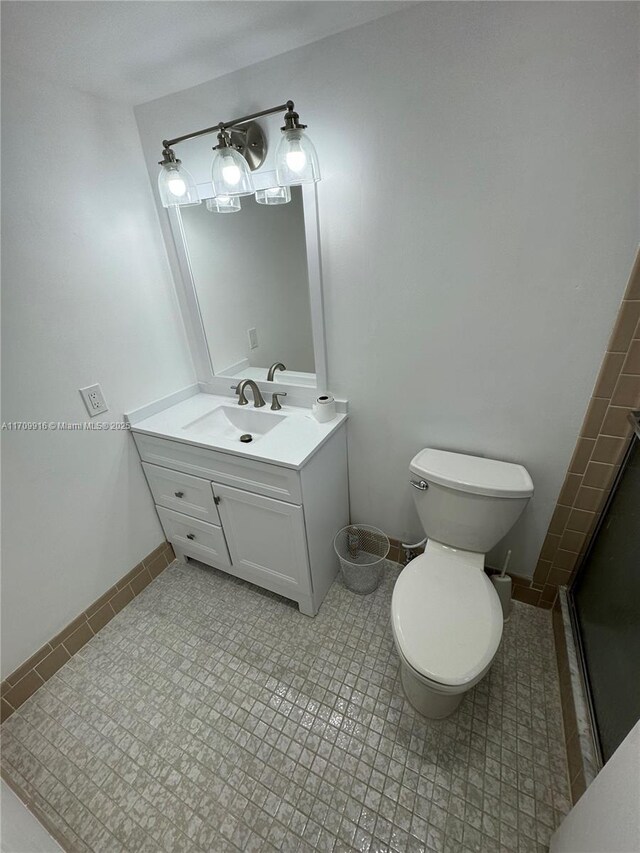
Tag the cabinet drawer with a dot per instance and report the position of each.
(182, 492)
(260, 477)
(195, 538)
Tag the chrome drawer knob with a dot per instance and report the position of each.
(191, 536)
(179, 494)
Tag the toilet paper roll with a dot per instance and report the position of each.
(324, 409)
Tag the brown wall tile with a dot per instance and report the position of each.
(598, 475)
(581, 456)
(566, 560)
(569, 489)
(80, 636)
(541, 572)
(66, 632)
(28, 665)
(572, 541)
(594, 417)
(616, 422)
(558, 577)
(140, 581)
(135, 571)
(609, 449)
(627, 392)
(559, 520)
(549, 547)
(157, 565)
(581, 520)
(52, 662)
(5, 710)
(99, 603)
(100, 619)
(124, 596)
(609, 372)
(590, 499)
(632, 362)
(526, 594)
(23, 689)
(625, 327)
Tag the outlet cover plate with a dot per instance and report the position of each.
(253, 338)
(94, 400)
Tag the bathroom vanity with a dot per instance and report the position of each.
(249, 284)
(265, 511)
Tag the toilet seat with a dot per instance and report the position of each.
(446, 616)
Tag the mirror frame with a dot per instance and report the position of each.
(207, 378)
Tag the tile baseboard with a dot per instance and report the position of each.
(32, 674)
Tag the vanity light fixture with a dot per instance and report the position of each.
(175, 184)
(223, 204)
(230, 174)
(240, 150)
(296, 158)
(274, 195)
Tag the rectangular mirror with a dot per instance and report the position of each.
(250, 274)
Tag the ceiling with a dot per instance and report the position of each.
(138, 50)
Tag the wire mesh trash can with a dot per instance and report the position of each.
(362, 551)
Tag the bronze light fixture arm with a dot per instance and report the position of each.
(223, 125)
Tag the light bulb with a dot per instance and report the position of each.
(231, 174)
(296, 160)
(177, 187)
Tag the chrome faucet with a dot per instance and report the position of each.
(272, 370)
(258, 399)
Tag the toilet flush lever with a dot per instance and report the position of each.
(421, 485)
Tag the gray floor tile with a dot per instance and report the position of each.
(212, 716)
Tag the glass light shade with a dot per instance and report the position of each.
(296, 159)
(176, 186)
(223, 204)
(230, 174)
(274, 195)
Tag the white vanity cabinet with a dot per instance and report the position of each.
(268, 524)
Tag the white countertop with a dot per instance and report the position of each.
(289, 444)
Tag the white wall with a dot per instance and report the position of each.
(87, 297)
(250, 270)
(478, 217)
(607, 816)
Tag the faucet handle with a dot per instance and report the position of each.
(275, 403)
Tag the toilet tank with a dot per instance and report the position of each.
(468, 502)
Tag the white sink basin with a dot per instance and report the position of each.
(229, 422)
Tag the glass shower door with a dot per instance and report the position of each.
(606, 607)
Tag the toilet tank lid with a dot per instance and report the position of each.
(473, 474)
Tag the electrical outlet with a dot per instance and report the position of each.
(253, 338)
(94, 400)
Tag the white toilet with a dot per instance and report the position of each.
(445, 614)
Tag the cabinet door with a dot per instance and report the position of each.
(266, 540)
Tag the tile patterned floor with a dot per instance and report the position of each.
(211, 716)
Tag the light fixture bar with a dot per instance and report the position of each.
(224, 125)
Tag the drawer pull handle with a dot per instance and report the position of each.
(179, 494)
(216, 500)
(191, 535)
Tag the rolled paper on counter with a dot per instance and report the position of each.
(324, 409)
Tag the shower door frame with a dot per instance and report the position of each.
(634, 418)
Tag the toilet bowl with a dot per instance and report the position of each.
(446, 616)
